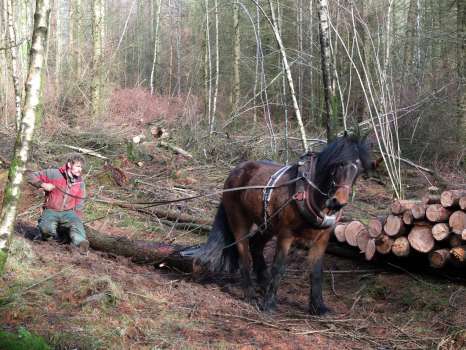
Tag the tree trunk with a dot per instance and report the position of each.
(438, 258)
(437, 213)
(440, 231)
(384, 244)
(339, 232)
(401, 247)
(147, 252)
(408, 218)
(401, 205)
(23, 140)
(419, 211)
(326, 70)
(451, 198)
(14, 62)
(375, 227)
(236, 57)
(288, 76)
(462, 203)
(459, 253)
(217, 70)
(97, 46)
(352, 231)
(421, 239)
(457, 221)
(394, 226)
(156, 46)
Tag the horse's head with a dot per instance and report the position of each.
(338, 167)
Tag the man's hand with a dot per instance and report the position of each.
(47, 186)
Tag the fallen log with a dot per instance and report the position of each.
(384, 244)
(421, 239)
(457, 221)
(401, 246)
(370, 249)
(431, 199)
(352, 231)
(440, 231)
(375, 226)
(455, 240)
(459, 254)
(419, 211)
(462, 203)
(394, 226)
(401, 205)
(438, 258)
(408, 218)
(139, 251)
(362, 240)
(437, 213)
(339, 232)
(451, 198)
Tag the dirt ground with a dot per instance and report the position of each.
(102, 301)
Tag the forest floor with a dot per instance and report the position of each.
(103, 301)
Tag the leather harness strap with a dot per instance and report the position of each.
(269, 189)
(302, 196)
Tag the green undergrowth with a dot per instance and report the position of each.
(22, 340)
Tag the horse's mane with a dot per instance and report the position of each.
(343, 149)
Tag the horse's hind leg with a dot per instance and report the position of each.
(315, 257)
(240, 228)
(257, 244)
(277, 271)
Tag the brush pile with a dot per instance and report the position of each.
(434, 225)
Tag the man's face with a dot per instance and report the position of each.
(75, 169)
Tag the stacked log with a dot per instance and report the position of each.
(434, 225)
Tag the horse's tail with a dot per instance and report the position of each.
(218, 254)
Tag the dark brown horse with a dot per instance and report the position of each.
(304, 202)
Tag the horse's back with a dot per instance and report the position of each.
(251, 173)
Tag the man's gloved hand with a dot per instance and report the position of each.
(47, 186)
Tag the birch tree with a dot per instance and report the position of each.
(11, 34)
(158, 4)
(236, 56)
(326, 70)
(97, 45)
(24, 136)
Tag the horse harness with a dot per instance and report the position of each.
(304, 201)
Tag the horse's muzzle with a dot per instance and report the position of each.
(334, 204)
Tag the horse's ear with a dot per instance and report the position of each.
(345, 134)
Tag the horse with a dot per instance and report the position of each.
(263, 199)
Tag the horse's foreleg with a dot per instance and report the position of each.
(257, 244)
(315, 256)
(277, 271)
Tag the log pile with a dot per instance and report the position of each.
(434, 225)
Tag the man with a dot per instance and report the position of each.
(64, 201)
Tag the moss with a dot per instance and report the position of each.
(24, 340)
(3, 257)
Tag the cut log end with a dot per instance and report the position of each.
(457, 221)
(339, 232)
(384, 244)
(352, 231)
(438, 258)
(401, 246)
(420, 238)
(394, 226)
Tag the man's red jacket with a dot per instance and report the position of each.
(69, 192)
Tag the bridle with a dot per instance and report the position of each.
(305, 198)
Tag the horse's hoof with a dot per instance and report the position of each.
(319, 310)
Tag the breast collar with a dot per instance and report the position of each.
(303, 195)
